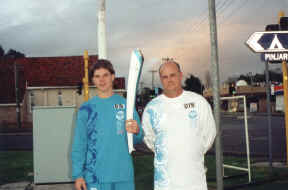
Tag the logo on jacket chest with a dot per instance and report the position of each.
(190, 108)
(119, 106)
(189, 105)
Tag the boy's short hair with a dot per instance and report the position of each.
(101, 63)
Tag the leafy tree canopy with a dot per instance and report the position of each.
(2, 52)
(11, 53)
(14, 54)
(193, 84)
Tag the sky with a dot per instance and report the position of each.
(160, 29)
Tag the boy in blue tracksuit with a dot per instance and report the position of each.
(100, 157)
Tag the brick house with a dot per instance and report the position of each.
(43, 81)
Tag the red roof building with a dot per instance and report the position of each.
(44, 72)
(55, 71)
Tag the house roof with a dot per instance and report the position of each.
(55, 71)
(44, 72)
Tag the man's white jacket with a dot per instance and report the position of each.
(180, 131)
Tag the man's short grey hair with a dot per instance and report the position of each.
(170, 61)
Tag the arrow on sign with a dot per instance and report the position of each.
(268, 42)
(252, 42)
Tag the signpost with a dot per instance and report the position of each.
(274, 46)
(285, 88)
(269, 42)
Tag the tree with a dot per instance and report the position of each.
(245, 78)
(2, 52)
(14, 54)
(193, 84)
(259, 78)
(275, 77)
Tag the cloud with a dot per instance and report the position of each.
(178, 30)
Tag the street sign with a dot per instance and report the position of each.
(269, 42)
(274, 57)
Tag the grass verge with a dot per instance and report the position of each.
(17, 165)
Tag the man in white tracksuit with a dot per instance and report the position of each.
(179, 127)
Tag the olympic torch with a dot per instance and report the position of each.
(135, 68)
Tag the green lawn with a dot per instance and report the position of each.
(16, 165)
(234, 179)
(143, 172)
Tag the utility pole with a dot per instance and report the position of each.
(216, 87)
(268, 93)
(250, 77)
(153, 72)
(102, 42)
(16, 77)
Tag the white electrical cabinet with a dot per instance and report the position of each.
(53, 129)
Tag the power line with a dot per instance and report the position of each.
(235, 11)
(226, 5)
(220, 8)
(204, 15)
(221, 14)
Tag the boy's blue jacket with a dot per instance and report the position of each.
(99, 150)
